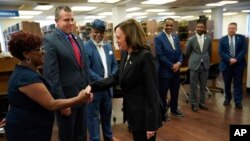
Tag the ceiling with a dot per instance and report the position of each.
(179, 7)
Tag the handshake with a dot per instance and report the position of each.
(86, 95)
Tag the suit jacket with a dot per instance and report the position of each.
(165, 54)
(95, 65)
(195, 54)
(138, 81)
(240, 51)
(61, 66)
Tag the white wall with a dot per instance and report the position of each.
(240, 19)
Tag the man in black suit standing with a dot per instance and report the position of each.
(65, 66)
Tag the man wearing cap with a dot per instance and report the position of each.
(101, 64)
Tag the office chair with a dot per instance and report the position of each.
(184, 77)
(212, 75)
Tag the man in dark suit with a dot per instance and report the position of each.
(65, 66)
(169, 57)
(198, 49)
(232, 50)
(102, 63)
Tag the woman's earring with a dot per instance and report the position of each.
(28, 60)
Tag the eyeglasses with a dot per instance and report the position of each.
(40, 49)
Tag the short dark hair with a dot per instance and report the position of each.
(168, 19)
(201, 22)
(60, 8)
(233, 23)
(23, 41)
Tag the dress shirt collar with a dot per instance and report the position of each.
(198, 36)
(97, 44)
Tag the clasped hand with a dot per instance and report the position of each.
(150, 134)
(87, 94)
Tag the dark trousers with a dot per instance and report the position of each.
(73, 127)
(142, 136)
(172, 84)
(235, 74)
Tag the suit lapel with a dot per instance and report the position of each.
(96, 52)
(67, 46)
(168, 44)
(107, 51)
(236, 42)
(130, 64)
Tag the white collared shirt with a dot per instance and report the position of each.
(200, 39)
(170, 38)
(99, 47)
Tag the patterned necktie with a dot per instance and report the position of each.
(231, 47)
(76, 50)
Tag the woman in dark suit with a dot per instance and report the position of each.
(138, 80)
(31, 117)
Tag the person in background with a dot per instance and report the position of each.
(198, 51)
(232, 50)
(169, 57)
(102, 63)
(30, 95)
(139, 82)
(65, 66)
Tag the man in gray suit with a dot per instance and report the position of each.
(198, 49)
(66, 67)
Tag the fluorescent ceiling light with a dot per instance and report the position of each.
(105, 14)
(22, 17)
(43, 7)
(221, 3)
(50, 17)
(141, 17)
(103, 1)
(166, 13)
(187, 17)
(133, 9)
(157, 2)
(155, 10)
(228, 2)
(29, 13)
(214, 4)
(83, 8)
(246, 11)
(209, 10)
(174, 17)
(229, 13)
(138, 14)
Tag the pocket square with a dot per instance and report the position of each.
(110, 52)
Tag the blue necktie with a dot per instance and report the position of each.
(231, 47)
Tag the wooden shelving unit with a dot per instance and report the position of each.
(32, 27)
(48, 29)
(84, 32)
(109, 33)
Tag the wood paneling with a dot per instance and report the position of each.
(6, 68)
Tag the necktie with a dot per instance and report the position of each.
(76, 50)
(231, 47)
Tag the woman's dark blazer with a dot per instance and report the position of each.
(138, 80)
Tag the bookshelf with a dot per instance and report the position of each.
(48, 29)
(32, 27)
(84, 32)
(109, 33)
